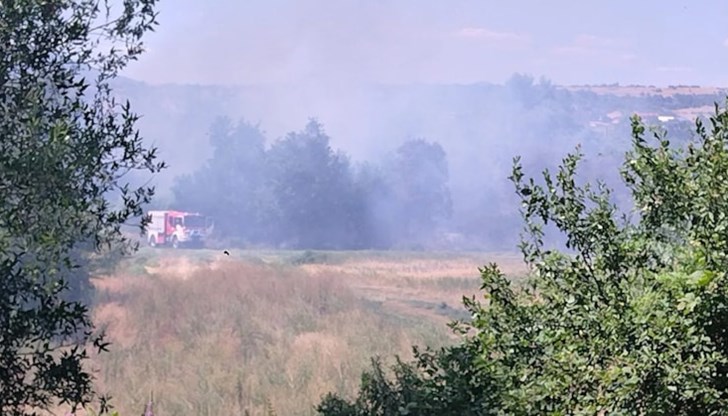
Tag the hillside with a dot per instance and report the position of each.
(640, 90)
(368, 121)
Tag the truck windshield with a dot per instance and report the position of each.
(194, 221)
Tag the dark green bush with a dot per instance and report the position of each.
(629, 318)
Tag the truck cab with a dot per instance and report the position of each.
(177, 229)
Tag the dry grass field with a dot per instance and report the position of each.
(211, 334)
(627, 90)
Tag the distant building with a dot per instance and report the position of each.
(615, 116)
(664, 118)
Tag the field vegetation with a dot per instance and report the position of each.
(211, 334)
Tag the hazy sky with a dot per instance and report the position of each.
(454, 41)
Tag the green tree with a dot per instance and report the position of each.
(375, 226)
(314, 197)
(628, 318)
(66, 146)
(231, 186)
(437, 383)
(418, 180)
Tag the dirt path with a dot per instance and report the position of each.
(431, 288)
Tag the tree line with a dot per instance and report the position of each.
(299, 192)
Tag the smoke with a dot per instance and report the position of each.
(479, 127)
(377, 74)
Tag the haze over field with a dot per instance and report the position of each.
(481, 79)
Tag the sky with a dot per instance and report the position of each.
(344, 42)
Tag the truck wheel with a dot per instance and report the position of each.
(175, 242)
(152, 241)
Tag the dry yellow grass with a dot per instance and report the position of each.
(692, 113)
(217, 337)
(624, 90)
(398, 282)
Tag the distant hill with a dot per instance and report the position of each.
(640, 90)
(481, 126)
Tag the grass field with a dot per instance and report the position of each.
(635, 90)
(211, 334)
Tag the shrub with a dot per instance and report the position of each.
(628, 318)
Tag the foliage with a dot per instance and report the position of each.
(418, 180)
(302, 193)
(66, 145)
(437, 383)
(629, 319)
(237, 163)
(312, 190)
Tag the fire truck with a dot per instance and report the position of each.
(177, 229)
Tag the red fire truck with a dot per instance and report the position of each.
(177, 228)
